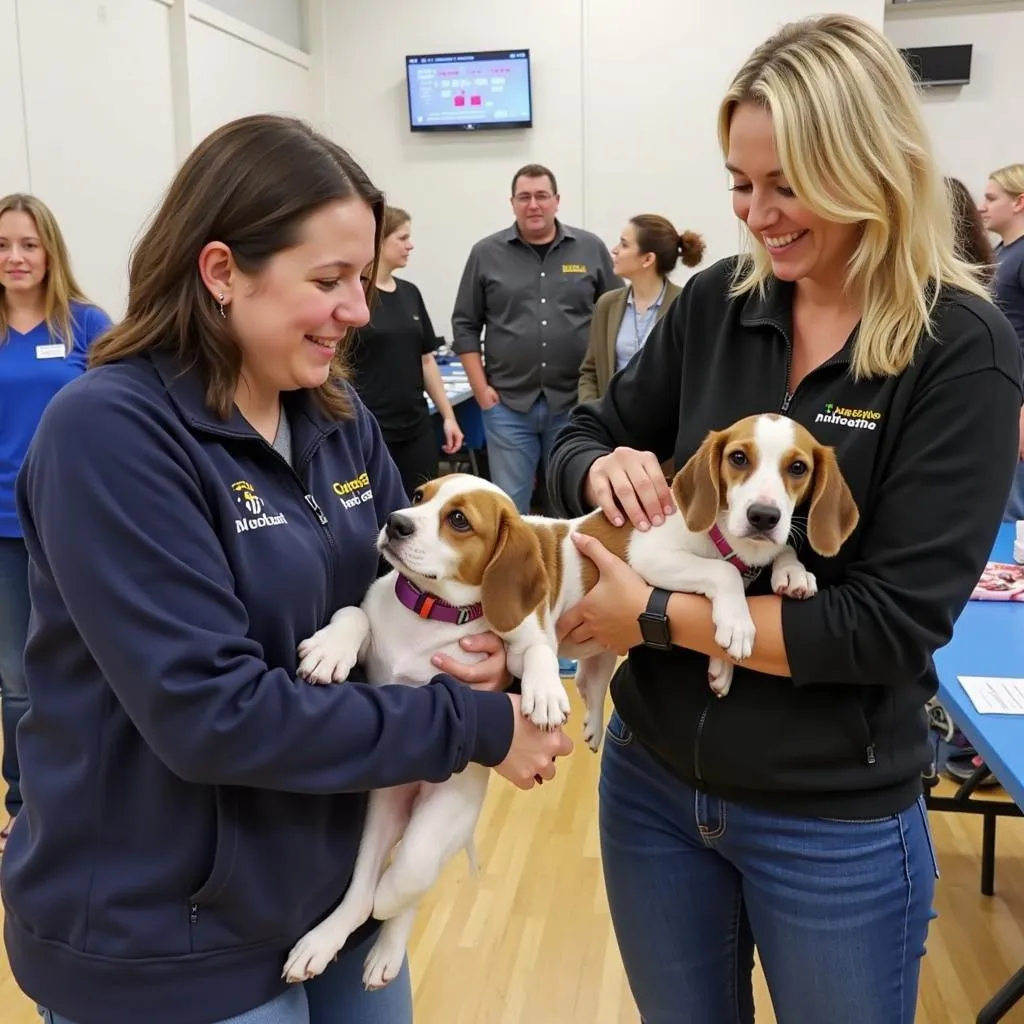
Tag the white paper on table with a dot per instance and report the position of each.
(995, 695)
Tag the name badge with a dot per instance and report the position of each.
(55, 351)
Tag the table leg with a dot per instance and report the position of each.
(988, 854)
(1004, 1000)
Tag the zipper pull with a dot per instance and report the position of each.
(871, 754)
(311, 502)
(786, 401)
(193, 913)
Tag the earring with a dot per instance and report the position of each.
(220, 303)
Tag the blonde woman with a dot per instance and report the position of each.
(46, 327)
(646, 253)
(1002, 212)
(789, 814)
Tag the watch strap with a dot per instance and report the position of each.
(657, 603)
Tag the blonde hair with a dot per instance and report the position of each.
(59, 284)
(852, 144)
(1010, 179)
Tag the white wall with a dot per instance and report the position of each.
(282, 19)
(104, 98)
(14, 151)
(624, 114)
(975, 128)
(230, 78)
(97, 102)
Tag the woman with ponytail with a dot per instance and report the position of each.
(647, 252)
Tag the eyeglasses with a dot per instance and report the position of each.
(524, 198)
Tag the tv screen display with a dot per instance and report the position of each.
(469, 91)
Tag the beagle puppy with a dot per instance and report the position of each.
(466, 561)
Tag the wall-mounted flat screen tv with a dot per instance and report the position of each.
(467, 92)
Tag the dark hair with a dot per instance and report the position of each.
(972, 242)
(534, 171)
(250, 184)
(656, 234)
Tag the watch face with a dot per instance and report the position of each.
(655, 631)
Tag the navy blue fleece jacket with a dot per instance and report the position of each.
(190, 807)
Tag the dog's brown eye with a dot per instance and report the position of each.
(457, 521)
(798, 468)
(417, 496)
(738, 459)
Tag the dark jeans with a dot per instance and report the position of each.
(14, 609)
(1015, 503)
(838, 910)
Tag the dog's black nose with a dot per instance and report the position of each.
(763, 517)
(398, 527)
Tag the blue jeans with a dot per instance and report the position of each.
(14, 610)
(336, 997)
(517, 442)
(838, 910)
(1015, 503)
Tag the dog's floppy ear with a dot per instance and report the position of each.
(834, 514)
(697, 487)
(515, 580)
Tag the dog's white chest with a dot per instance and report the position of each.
(402, 644)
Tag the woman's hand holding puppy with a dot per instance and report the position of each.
(631, 482)
(531, 757)
(489, 674)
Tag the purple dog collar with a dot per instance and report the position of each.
(427, 606)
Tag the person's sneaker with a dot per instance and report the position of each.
(567, 667)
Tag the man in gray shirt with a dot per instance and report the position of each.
(531, 287)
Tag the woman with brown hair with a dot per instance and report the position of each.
(46, 327)
(972, 243)
(197, 504)
(647, 252)
(392, 362)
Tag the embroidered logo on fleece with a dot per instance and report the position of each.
(843, 416)
(253, 504)
(354, 492)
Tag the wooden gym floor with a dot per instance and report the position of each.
(531, 941)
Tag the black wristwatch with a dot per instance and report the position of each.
(654, 624)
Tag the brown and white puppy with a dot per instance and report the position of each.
(465, 561)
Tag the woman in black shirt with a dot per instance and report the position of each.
(392, 360)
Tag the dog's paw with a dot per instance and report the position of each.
(734, 629)
(793, 580)
(545, 701)
(311, 954)
(592, 727)
(720, 676)
(327, 656)
(383, 962)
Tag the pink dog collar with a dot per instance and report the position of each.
(727, 552)
(428, 606)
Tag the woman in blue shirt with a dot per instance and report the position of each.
(46, 327)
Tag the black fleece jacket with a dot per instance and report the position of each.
(929, 455)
